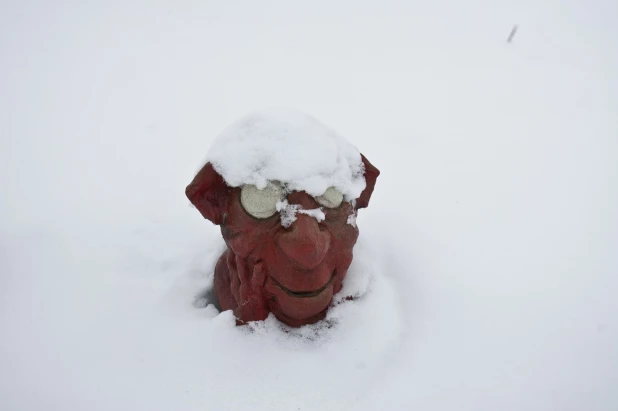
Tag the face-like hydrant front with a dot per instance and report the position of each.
(287, 252)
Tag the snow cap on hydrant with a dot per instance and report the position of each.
(285, 190)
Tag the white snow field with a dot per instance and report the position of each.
(487, 262)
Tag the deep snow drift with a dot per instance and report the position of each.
(486, 264)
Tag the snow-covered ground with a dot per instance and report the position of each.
(489, 251)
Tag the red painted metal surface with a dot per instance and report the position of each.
(292, 272)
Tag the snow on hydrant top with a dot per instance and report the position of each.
(290, 147)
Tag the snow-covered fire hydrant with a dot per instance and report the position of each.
(285, 190)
